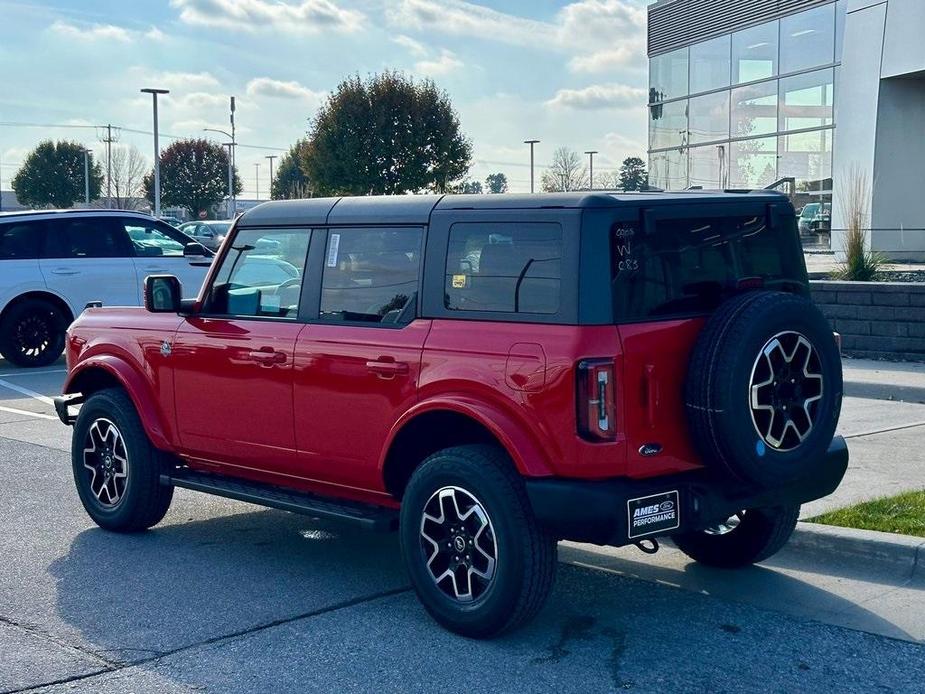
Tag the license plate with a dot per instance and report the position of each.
(653, 514)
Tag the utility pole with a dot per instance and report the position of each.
(257, 183)
(230, 147)
(157, 151)
(234, 197)
(108, 140)
(271, 157)
(531, 143)
(591, 153)
(87, 175)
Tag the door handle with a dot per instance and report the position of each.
(64, 271)
(267, 357)
(387, 368)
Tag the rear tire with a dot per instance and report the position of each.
(759, 534)
(32, 333)
(494, 535)
(116, 469)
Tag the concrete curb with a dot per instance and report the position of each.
(902, 552)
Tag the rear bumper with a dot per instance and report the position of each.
(623, 511)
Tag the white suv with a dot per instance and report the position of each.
(52, 264)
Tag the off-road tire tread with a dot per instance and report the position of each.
(153, 498)
(539, 548)
(776, 525)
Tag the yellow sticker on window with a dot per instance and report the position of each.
(459, 281)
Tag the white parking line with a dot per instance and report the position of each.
(33, 373)
(26, 391)
(40, 415)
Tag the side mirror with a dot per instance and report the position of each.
(162, 294)
(194, 250)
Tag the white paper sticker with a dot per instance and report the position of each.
(333, 245)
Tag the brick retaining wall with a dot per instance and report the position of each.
(877, 320)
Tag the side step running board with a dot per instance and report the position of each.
(370, 517)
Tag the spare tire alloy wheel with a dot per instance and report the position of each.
(786, 384)
(458, 543)
(105, 459)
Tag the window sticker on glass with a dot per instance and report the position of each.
(333, 245)
(459, 281)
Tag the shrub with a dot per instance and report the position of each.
(861, 264)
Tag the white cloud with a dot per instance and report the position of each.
(178, 81)
(609, 59)
(155, 34)
(604, 35)
(305, 17)
(278, 89)
(461, 18)
(91, 32)
(599, 96)
(445, 63)
(414, 47)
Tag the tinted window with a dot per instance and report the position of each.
(688, 266)
(20, 241)
(86, 237)
(371, 275)
(152, 238)
(514, 268)
(261, 274)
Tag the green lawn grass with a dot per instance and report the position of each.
(903, 513)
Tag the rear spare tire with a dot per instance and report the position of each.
(764, 388)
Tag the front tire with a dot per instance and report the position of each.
(477, 559)
(32, 333)
(116, 469)
(747, 538)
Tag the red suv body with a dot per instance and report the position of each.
(486, 369)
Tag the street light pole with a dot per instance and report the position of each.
(232, 203)
(157, 151)
(531, 143)
(87, 175)
(271, 157)
(257, 180)
(591, 153)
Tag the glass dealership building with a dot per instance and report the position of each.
(806, 96)
(748, 108)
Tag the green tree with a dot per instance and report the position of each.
(467, 187)
(290, 181)
(385, 135)
(496, 183)
(633, 175)
(53, 174)
(194, 175)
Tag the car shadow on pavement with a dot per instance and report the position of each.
(760, 585)
(132, 597)
(341, 600)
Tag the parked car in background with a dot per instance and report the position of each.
(52, 264)
(172, 221)
(210, 233)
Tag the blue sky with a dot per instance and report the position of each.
(567, 73)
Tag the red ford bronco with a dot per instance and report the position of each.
(485, 374)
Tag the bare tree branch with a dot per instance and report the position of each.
(567, 172)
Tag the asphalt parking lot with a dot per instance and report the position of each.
(227, 597)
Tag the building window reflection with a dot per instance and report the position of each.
(753, 163)
(709, 65)
(806, 101)
(754, 109)
(807, 39)
(754, 53)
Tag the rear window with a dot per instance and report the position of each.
(510, 268)
(688, 266)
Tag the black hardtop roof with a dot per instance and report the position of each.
(416, 209)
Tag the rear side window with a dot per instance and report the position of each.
(688, 266)
(510, 268)
(86, 237)
(20, 241)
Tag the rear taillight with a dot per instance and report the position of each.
(595, 394)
